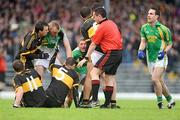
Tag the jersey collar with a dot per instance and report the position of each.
(158, 24)
(103, 20)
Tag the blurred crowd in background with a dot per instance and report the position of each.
(17, 17)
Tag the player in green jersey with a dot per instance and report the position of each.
(157, 40)
(78, 54)
(56, 36)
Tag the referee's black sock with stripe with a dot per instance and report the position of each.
(95, 89)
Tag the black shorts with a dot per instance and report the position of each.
(110, 61)
(56, 92)
(50, 102)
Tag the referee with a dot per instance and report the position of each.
(109, 38)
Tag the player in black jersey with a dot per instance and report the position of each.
(29, 91)
(29, 46)
(64, 79)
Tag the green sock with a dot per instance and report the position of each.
(168, 98)
(159, 99)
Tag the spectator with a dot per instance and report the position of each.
(3, 67)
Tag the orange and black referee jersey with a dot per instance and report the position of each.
(108, 36)
(63, 79)
(29, 49)
(34, 94)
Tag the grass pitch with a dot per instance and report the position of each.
(130, 110)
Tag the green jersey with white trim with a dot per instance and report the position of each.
(50, 41)
(157, 38)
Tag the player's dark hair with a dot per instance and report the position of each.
(39, 26)
(100, 11)
(18, 66)
(85, 12)
(70, 61)
(96, 5)
(157, 10)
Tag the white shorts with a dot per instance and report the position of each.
(159, 63)
(45, 62)
(95, 56)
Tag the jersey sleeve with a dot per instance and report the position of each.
(17, 82)
(142, 33)
(168, 37)
(98, 35)
(91, 31)
(76, 79)
(84, 33)
(65, 35)
(75, 53)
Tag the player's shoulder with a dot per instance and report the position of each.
(17, 76)
(71, 72)
(164, 27)
(145, 25)
(88, 22)
(76, 50)
(33, 35)
(74, 73)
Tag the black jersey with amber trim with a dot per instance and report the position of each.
(63, 79)
(34, 94)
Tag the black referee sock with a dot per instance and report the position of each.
(108, 93)
(95, 89)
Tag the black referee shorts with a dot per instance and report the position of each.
(110, 61)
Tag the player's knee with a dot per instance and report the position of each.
(155, 78)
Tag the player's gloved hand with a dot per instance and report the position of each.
(161, 55)
(16, 106)
(43, 55)
(57, 48)
(81, 63)
(141, 54)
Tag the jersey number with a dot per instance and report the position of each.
(60, 74)
(32, 84)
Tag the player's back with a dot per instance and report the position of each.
(34, 94)
(86, 28)
(63, 80)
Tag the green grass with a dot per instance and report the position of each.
(130, 110)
